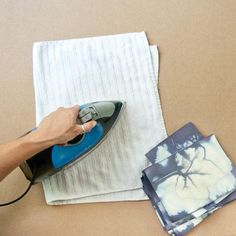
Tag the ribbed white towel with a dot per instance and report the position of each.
(117, 67)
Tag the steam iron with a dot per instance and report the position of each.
(55, 158)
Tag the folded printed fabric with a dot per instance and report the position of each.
(78, 71)
(179, 185)
(187, 226)
(179, 140)
(184, 225)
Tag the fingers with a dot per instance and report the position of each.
(72, 112)
(75, 111)
(76, 108)
(86, 127)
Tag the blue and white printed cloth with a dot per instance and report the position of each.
(191, 178)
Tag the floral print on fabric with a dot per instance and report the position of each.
(191, 177)
(203, 174)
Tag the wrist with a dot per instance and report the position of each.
(30, 144)
(38, 139)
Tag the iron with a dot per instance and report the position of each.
(57, 157)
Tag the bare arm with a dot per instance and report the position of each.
(59, 127)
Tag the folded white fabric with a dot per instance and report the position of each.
(78, 71)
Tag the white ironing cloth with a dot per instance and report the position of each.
(78, 71)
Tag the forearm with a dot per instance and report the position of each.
(13, 153)
(58, 127)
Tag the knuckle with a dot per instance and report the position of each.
(73, 110)
(59, 108)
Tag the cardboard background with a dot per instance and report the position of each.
(197, 47)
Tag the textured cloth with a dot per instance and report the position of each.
(190, 178)
(78, 71)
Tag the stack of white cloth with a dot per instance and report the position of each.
(116, 67)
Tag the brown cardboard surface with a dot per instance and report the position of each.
(197, 47)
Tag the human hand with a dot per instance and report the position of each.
(60, 126)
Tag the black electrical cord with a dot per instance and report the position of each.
(17, 199)
(22, 195)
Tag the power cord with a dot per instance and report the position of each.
(22, 195)
(17, 199)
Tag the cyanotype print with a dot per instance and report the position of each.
(181, 139)
(192, 177)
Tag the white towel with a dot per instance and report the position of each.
(117, 67)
